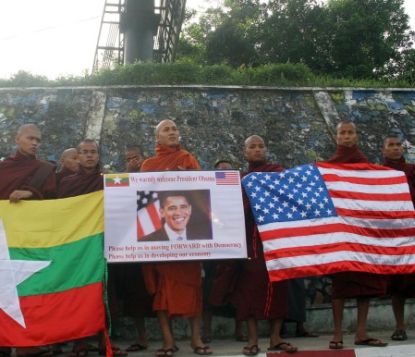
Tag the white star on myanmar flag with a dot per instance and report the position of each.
(117, 180)
(12, 273)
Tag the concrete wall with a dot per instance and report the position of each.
(298, 124)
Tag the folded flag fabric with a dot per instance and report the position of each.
(325, 218)
(52, 270)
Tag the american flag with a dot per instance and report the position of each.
(148, 216)
(326, 218)
(227, 177)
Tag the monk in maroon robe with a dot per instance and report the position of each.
(401, 286)
(357, 285)
(218, 282)
(24, 177)
(88, 179)
(176, 286)
(137, 301)
(69, 164)
(255, 297)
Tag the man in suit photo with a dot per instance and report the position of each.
(175, 211)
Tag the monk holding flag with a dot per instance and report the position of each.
(25, 177)
(87, 180)
(256, 297)
(359, 285)
(176, 286)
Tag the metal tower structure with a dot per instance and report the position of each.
(110, 44)
(138, 30)
(168, 33)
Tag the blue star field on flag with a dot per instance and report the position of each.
(291, 195)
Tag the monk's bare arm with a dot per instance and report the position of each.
(18, 195)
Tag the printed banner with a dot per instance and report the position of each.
(174, 215)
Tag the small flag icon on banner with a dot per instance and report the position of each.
(117, 180)
(227, 177)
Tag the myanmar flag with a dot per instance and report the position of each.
(117, 180)
(52, 270)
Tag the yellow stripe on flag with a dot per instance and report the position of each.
(48, 223)
(120, 176)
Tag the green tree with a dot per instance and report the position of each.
(367, 35)
(192, 43)
(345, 38)
(293, 31)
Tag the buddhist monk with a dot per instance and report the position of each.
(255, 297)
(175, 286)
(88, 179)
(137, 302)
(133, 158)
(401, 286)
(24, 177)
(361, 286)
(217, 285)
(69, 164)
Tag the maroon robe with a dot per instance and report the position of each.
(16, 173)
(255, 296)
(127, 281)
(403, 284)
(81, 183)
(63, 173)
(355, 284)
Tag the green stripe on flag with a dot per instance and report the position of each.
(73, 265)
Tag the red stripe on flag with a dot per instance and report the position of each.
(337, 247)
(154, 216)
(140, 230)
(361, 166)
(326, 269)
(336, 227)
(371, 196)
(57, 317)
(374, 214)
(365, 181)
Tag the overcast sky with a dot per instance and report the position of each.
(58, 37)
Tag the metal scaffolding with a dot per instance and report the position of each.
(171, 19)
(115, 22)
(110, 44)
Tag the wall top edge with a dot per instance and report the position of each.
(207, 87)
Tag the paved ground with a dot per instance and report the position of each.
(310, 347)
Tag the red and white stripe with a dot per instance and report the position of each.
(373, 232)
(230, 178)
(148, 219)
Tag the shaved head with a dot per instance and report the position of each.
(68, 152)
(27, 127)
(167, 133)
(163, 123)
(346, 122)
(28, 139)
(255, 149)
(346, 134)
(69, 160)
(253, 138)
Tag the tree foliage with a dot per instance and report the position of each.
(352, 38)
